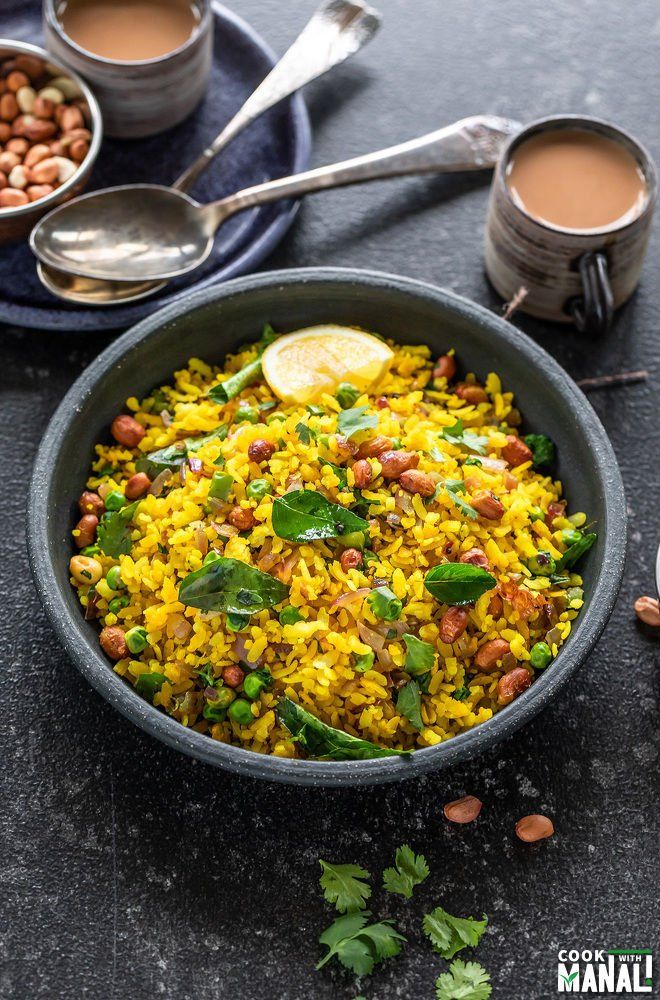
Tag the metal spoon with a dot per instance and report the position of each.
(152, 233)
(337, 30)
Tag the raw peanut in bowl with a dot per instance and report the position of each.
(266, 568)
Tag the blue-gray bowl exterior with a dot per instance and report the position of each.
(216, 321)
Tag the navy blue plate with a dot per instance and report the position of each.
(279, 143)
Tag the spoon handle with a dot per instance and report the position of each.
(337, 30)
(470, 144)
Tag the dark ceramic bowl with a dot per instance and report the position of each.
(218, 320)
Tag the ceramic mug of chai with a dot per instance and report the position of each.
(148, 61)
(569, 218)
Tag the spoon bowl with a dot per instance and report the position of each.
(92, 292)
(129, 233)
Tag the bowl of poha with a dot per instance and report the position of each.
(330, 527)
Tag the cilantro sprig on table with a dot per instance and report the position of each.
(344, 886)
(449, 934)
(464, 981)
(410, 870)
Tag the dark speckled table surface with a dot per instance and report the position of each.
(131, 872)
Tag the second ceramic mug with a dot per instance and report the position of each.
(571, 275)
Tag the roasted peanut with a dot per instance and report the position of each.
(39, 130)
(393, 463)
(137, 486)
(375, 447)
(475, 557)
(534, 827)
(350, 559)
(125, 429)
(11, 198)
(19, 125)
(241, 518)
(8, 107)
(25, 98)
(414, 481)
(463, 810)
(488, 505)
(85, 571)
(471, 393)
(5, 132)
(647, 610)
(36, 192)
(362, 473)
(512, 684)
(113, 642)
(91, 503)
(86, 530)
(445, 367)
(233, 675)
(19, 177)
(36, 154)
(32, 66)
(555, 510)
(488, 655)
(515, 451)
(17, 145)
(496, 606)
(8, 161)
(3, 180)
(16, 80)
(453, 624)
(345, 447)
(71, 118)
(51, 93)
(42, 108)
(261, 450)
(78, 150)
(382, 402)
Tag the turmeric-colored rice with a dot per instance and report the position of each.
(313, 661)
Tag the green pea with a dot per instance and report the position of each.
(396, 444)
(118, 603)
(535, 514)
(256, 682)
(540, 655)
(258, 489)
(247, 413)
(240, 712)
(353, 540)
(542, 564)
(236, 622)
(346, 395)
(216, 710)
(221, 485)
(363, 662)
(115, 500)
(136, 639)
(114, 580)
(570, 536)
(385, 604)
(275, 416)
(290, 615)
(90, 550)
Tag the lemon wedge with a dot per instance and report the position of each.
(299, 367)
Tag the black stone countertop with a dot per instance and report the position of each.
(132, 872)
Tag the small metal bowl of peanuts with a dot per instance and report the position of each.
(50, 134)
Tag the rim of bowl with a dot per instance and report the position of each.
(55, 23)
(9, 45)
(605, 128)
(96, 669)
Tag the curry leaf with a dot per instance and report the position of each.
(410, 870)
(458, 583)
(305, 515)
(114, 534)
(409, 704)
(449, 934)
(321, 740)
(543, 449)
(232, 586)
(172, 456)
(343, 885)
(350, 422)
(420, 656)
(576, 551)
(464, 981)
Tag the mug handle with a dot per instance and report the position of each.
(593, 311)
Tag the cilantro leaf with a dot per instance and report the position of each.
(461, 693)
(113, 533)
(543, 449)
(343, 886)
(360, 946)
(305, 433)
(453, 488)
(411, 869)
(409, 704)
(420, 656)
(456, 434)
(350, 422)
(449, 935)
(464, 981)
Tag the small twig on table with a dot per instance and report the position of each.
(515, 303)
(606, 381)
